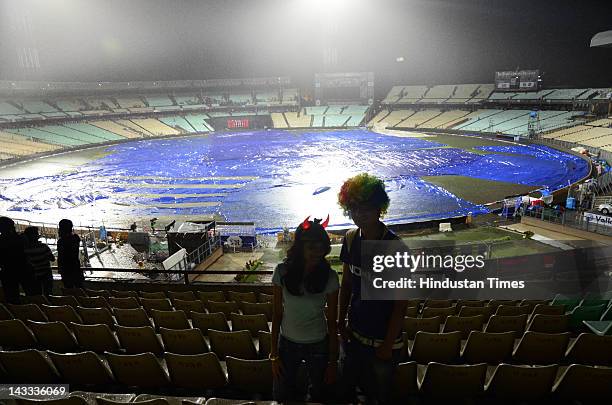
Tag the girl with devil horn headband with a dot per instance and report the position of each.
(303, 284)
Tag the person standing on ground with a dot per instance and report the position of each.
(68, 262)
(40, 257)
(302, 328)
(371, 335)
(14, 267)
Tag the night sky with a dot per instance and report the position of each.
(442, 41)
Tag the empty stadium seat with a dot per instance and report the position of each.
(486, 347)
(206, 322)
(182, 295)
(414, 325)
(265, 308)
(170, 319)
(459, 381)
(252, 323)
(98, 338)
(585, 313)
(138, 370)
(226, 307)
(132, 317)
(568, 303)
(521, 383)
(85, 368)
(237, 344)
(541, 348)
(93, 316)
(97, 293)
(61, 313)
(93, 302)
(140, 339)
(485, 312)
(250, 376)
(442, 312)
(28, 366)
(184, 341)
(584, 383)
(61, 300)
(124, 302)
(159, 304)
(242, 296)
(511, 310)
(15, 335)
(437, 303)
(440, 347)
(199, 371)
(545, 309)
(152, 295)
(189, 306)
(36, 299)
(124, 294)
(27, 312)
(205, 296)
(463, 324)
(590, 349)
(549, 323)
(54, 336)
(510, 323)
(494, 304)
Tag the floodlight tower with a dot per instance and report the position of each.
(604, 40)
(22, 35)
(330, 13)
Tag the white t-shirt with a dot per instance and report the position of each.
(304, 315)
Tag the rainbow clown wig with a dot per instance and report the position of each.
(363, 190)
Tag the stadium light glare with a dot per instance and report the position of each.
(329, 6)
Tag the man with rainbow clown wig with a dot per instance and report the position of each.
(371, 336)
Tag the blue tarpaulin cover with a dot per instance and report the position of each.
(272, 177)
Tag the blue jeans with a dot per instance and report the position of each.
(362, 368)
(291, 356)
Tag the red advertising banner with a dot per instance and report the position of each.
(241, 123)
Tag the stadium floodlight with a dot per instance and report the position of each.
(602, 39)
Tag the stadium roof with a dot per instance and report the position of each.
(602, 39)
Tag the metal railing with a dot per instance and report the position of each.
(193, 259)
(578, 220)
(573, 219)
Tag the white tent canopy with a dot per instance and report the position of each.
(602, 39)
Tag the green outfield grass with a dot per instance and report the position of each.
(472, 189)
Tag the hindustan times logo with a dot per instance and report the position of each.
(405, 260)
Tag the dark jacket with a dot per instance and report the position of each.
(13, 262)
(68, 262)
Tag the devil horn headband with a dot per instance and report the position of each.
(306, 223)
(326, 222)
